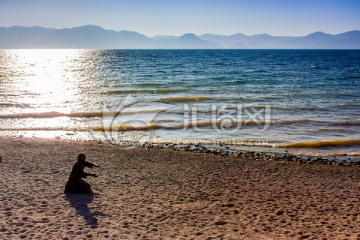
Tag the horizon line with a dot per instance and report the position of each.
(165, 35)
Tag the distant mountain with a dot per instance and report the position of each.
(21, 37)
(186, 41)
(348, 40)
(88, 36)
(224, 41)
(162, 37)
(248, 42)
(91, 36)
(317, 40)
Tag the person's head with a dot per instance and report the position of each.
(81, 158)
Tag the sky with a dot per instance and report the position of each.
(177, 17)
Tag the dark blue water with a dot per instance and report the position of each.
(273, 99)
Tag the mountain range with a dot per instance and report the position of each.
(91, 36)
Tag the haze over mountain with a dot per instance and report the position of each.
(90, 36)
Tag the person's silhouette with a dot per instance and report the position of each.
(76, 183)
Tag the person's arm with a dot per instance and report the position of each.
(91, 165)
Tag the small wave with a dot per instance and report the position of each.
(104, 114)
(177, 124)
(87, 114)
(211, 90)
(215, 142)
(219, 78)
(229, 124)
(309, 121)
(226, 124)
(77, 114)
(295, 121)
(307, 108)
(45, 129)
(319, 67)
(171, 127)
(178, 83)
(19, 94)
(322, 144)
(185, 99)
(252, 122)
(347, 123)
(9, 95)
(352, 154)
(346, 105)
(8, 104)
(153, 91)
(122, 128)
(148, 84)
(34, 115)
(240, 81)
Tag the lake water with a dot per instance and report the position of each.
(302, 101)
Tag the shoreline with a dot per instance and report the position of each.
(223, 149)
(153, 193)
(253, 154)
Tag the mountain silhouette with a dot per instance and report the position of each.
(317, 40)
(95, 37)
(186, 41)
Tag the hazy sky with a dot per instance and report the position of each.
(176, 17)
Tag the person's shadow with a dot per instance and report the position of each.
(80, 203)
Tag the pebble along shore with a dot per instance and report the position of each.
(226, 151)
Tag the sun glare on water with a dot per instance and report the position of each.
(48, 80)
(42, 82)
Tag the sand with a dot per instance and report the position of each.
(166, 194)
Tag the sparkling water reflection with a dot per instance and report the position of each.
(313, 95)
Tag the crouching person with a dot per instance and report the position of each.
(76, 183)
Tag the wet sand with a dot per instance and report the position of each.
(165, 194)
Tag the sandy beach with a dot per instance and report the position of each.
(165, 194)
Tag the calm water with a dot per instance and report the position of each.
(305, 101)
